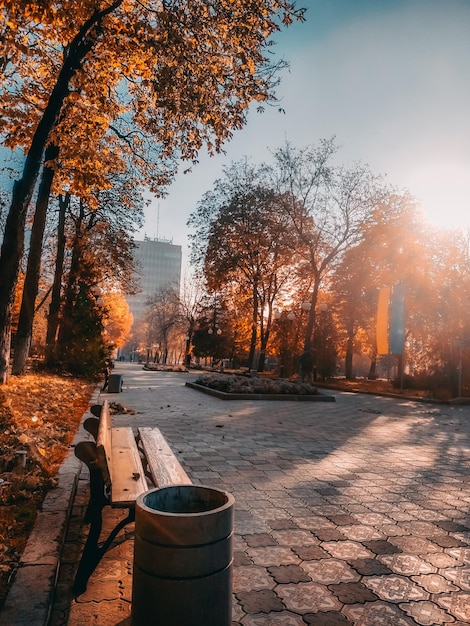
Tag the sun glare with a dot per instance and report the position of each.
(444, 192)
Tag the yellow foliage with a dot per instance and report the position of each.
(119, 319)
(158, 80)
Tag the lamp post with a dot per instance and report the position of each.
(214, 330)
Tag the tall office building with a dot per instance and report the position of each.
(158, 265)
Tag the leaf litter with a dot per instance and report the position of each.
(39, 416)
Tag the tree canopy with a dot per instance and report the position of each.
(123, 86)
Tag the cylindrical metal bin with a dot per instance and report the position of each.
(115, 383)
(183, 557)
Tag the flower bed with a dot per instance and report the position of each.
(244, 387)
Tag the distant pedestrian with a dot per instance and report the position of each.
(108, 366)
(306, 366)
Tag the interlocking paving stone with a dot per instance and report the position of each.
(328, 534)
(260, 540)
(352, 592)
(328, 618)
(360, 532)
(327, 491)
(325, 487)
(372, 519)
(328, 510)
(314, 523)
(381, 547)
(416, 545)
(282, 524)
(426, 613)
(456, 604)
(434, 583)
(446, 541)
(240, 558)
(274, 619)
(407, 564)
(443, 560)
(310, 553)
(295, 537)
(288, 574)
(308, 597)
(347, 550)
(368, 567)
(421, 528)
(328, 571)
(459, 576)
(395, 588)
(452, 527)
(249, 527)
(94, 614)
(343, 520)
(461, 554)
(377, 614)
(262, 601)
(272, 555)
(248, 578)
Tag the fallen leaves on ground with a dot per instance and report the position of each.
(39, 415)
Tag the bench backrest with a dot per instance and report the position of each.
(163, 464)
(103, 443)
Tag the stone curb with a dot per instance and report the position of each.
(222, 395)
(29, 599)
(395, 396)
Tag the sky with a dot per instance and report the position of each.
(390, 79)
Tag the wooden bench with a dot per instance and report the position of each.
(122, 465)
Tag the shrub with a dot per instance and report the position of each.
(244, 384)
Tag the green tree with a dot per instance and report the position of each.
(106, 234)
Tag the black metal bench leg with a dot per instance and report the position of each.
(86, 452)
(91, 552)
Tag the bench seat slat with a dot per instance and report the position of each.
(126, 470)
(164, 466)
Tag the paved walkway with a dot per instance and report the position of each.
(347, 513)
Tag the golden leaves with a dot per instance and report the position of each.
(177, 76)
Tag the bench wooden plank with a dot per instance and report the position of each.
(127, 473)
(164, 466)
(103, 443)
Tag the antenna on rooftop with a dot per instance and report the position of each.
(158, 219)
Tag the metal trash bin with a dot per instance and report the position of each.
(115, 383)
(183, 557)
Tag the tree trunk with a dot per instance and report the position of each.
(373, 367)
(30, 291)
(308, 343)
(54, 308)
(348, 363)
(254, 331)
(13, 240)
(10, 257)
(264, 342)
(66, 323)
